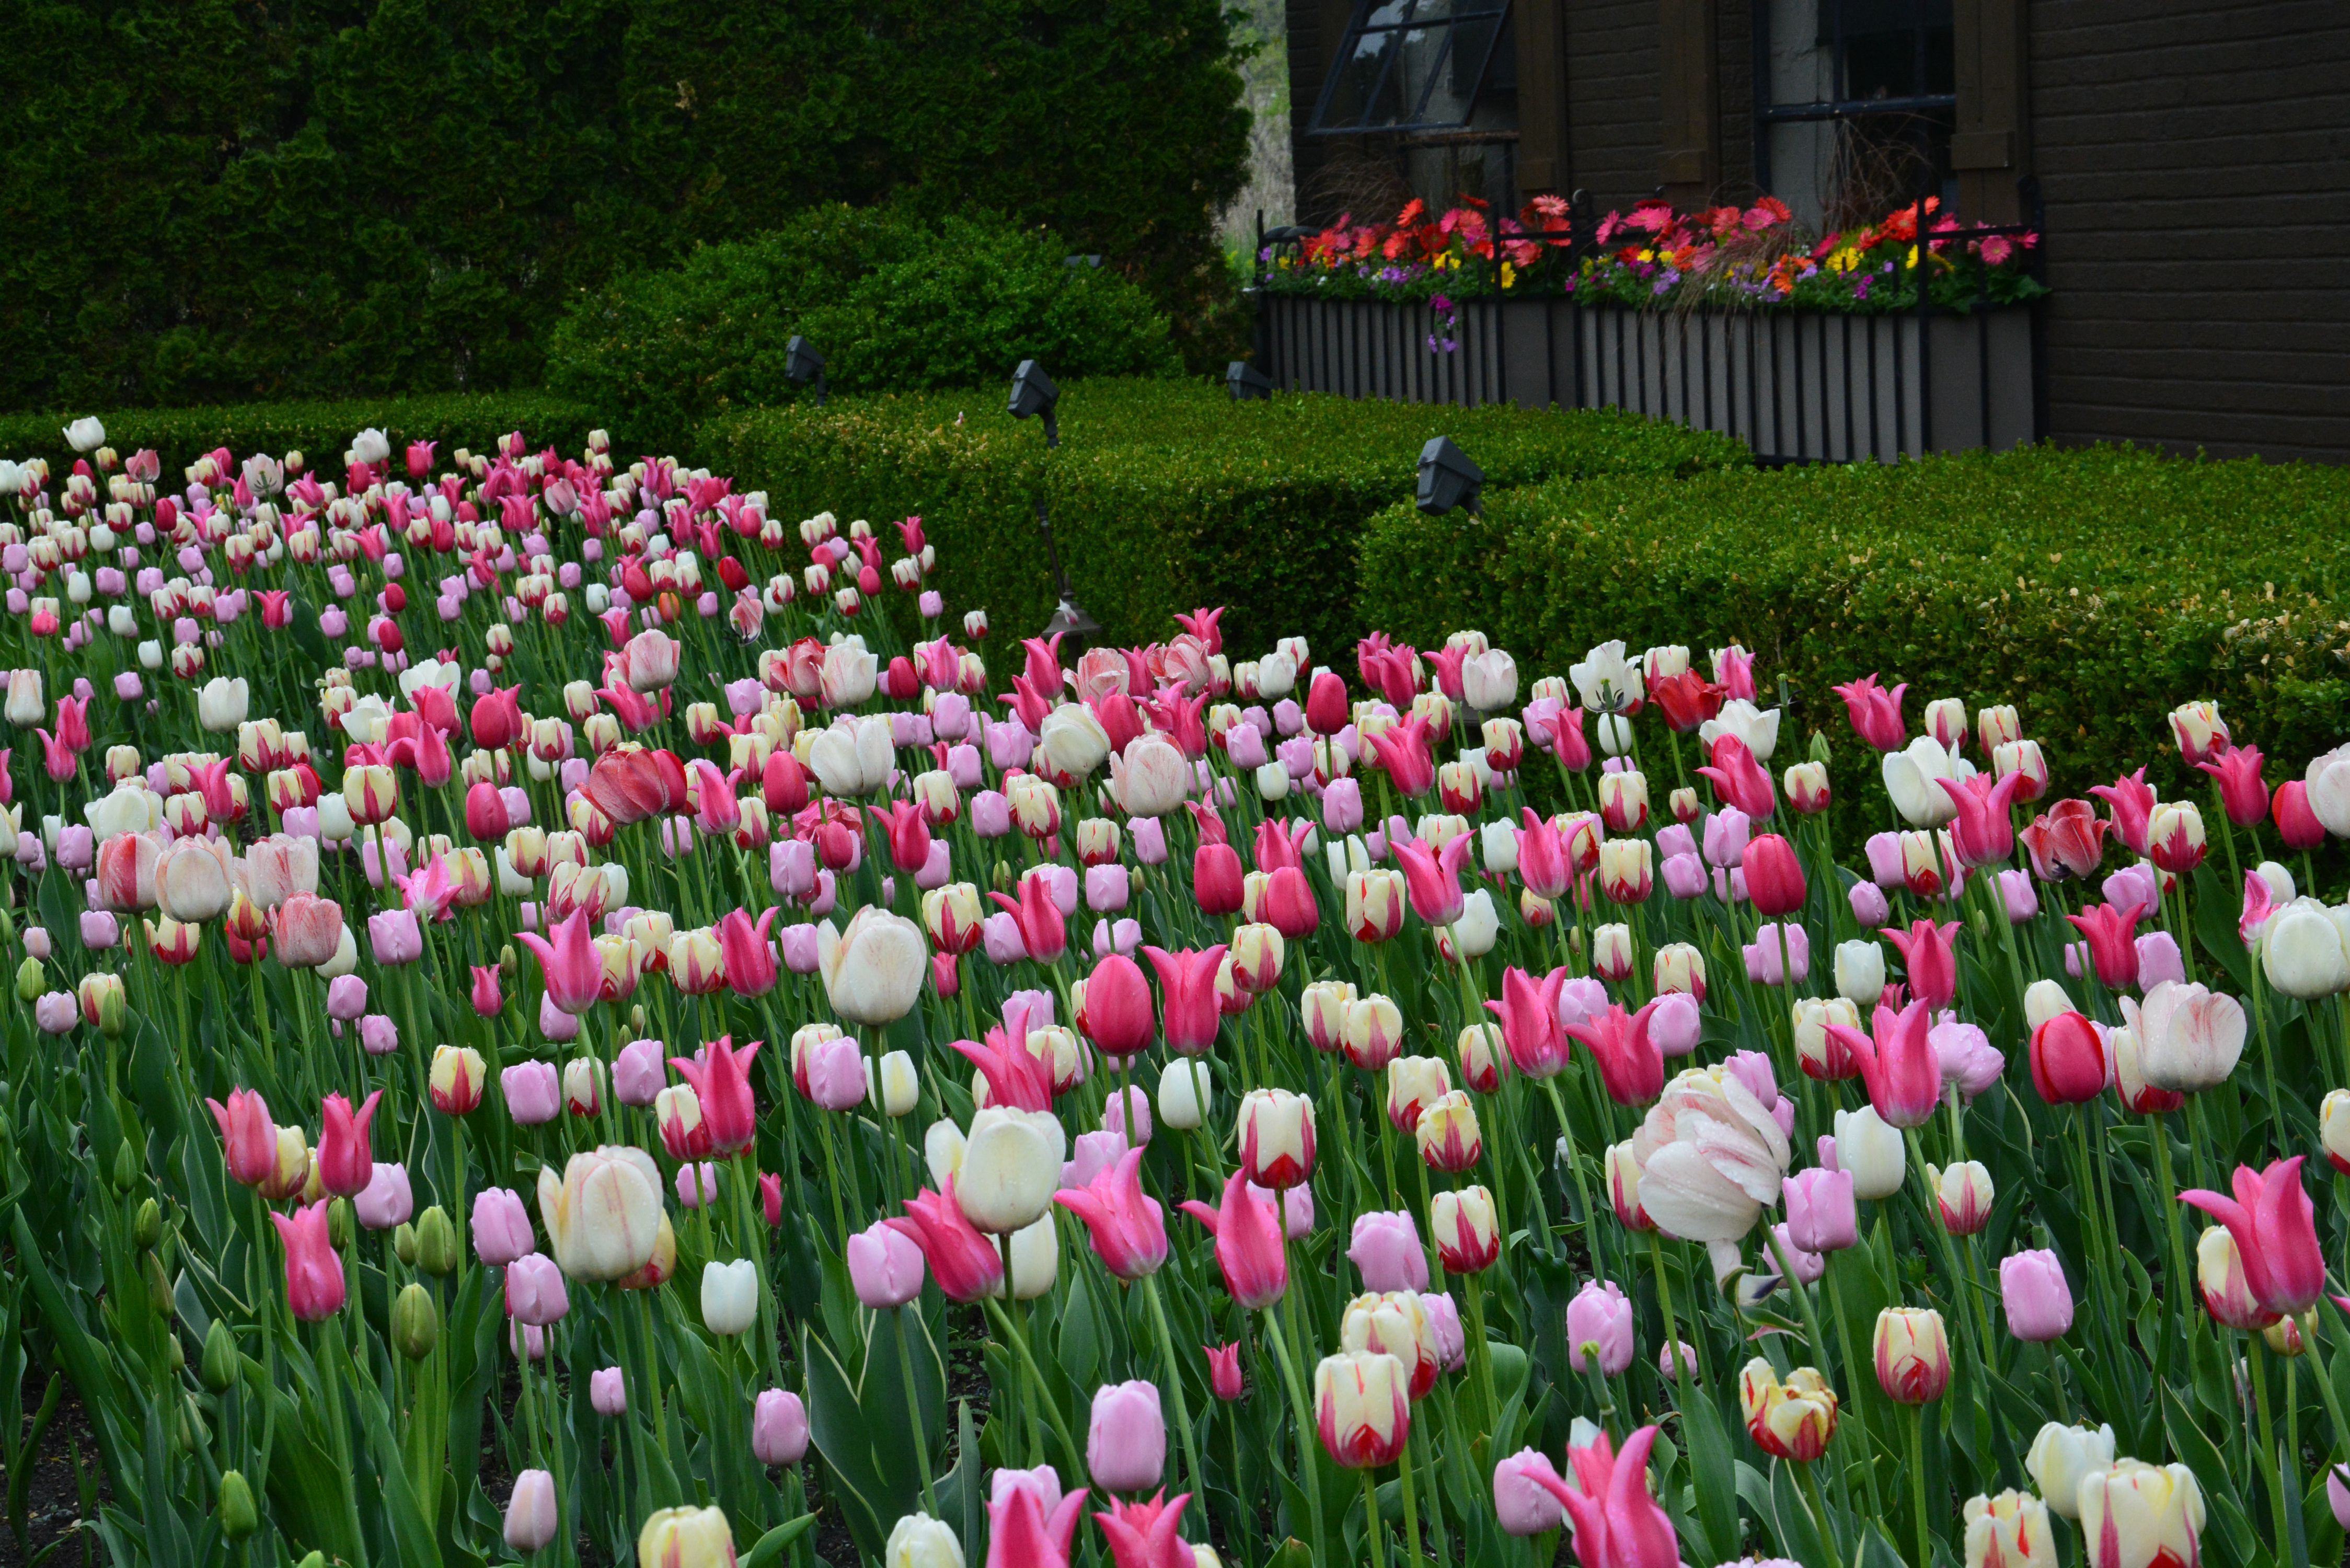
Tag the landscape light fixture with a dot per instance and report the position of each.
(803, 364)
(1447, 479)
(1034, 395)
(1244, 381)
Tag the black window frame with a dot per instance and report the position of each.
(1361, 25)
(1839, 105)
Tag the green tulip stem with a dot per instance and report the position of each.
(1371, 1530)
(1857, 1408)
(1195, 1481)
(1309, 1477)
(2257, 1347)
(1410, 1496)
(1918, 1484)
(920, 1429)
(1665, 1302)
(1591, 1228)
(1040, 1406)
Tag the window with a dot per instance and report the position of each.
(1856, 102)
(1412, 66)
(1427, 89)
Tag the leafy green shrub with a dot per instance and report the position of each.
(1164, 495)
(210, 200)
(2094, 589)
(320, 431)
(894, 300)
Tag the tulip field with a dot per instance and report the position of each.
(564, 1017)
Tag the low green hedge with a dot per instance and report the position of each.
(1165, 496)
(321, 430)
(2094, 589)
(895, 299)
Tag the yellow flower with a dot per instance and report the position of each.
(1844, 260)
(1913, 256)
(1509, 275)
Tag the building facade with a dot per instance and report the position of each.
(2190, 160)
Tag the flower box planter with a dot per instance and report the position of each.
(1796, 386)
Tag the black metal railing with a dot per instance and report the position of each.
(1796, 386)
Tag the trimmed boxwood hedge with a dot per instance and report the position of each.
(320, 431)
(2095, 589)
(1164, 495)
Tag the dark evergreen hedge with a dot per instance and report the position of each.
(215, 201)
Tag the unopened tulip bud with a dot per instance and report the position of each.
(218, 1366)
(438, 1250)
(238, 1516)
(2290, 1336)
(415, 1321)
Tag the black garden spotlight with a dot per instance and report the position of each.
(1447, 479)
(1034, 395)
(1245, 381)
(803, 364)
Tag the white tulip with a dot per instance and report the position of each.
(1010, 1169)
(1860, 972)
(730, 1296)
(1182, 1085)
(1910, 775)
(1872, 1151)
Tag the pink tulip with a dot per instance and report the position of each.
(1248, 1244)
(965, 1263)
(1525, 1494)
(1225, 1370)
(638, 1073)
(1822, 1216)
(1983, 833)
(1631, 1067)
(534, 1094)
(1147, 1534)
(779, 1428)
(314, 1274)
(1926, 959)
(722, 1083)
(1432, 878)
(1129, 1228)
(1616, 1523)
(1876, 713)
(1385, 1251)
(388, 1201)
(1187, 984)
(1529, 1011)
(1021, 1535)
(749, 962)
(2130, 802)
(1600, 1317)
(248, 1138)
(607, 1392)
(1899, 1066)
(2275, 1234)
(2039, 1303)
(501, 1227)
(345, 1164)
(885, 1267)
(535, 1291)
(2112, 933)
(573, 969)
(1126, 1442)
